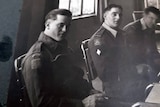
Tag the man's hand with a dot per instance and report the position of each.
(94, 100)
(97, 84)
(143, 69)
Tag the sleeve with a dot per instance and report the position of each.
(130, 33)
(134, 45)
(42, 89)
(73, 77)
(100, 55)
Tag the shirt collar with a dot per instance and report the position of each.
(113, 31)
(143, 24)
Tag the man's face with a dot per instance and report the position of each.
(59, 27)
(113, 17)
(150, 19)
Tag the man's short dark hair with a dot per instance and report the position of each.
(153, 10)
(109, 7)
(53, 13)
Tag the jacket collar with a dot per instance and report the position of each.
(113, 31)
(51, 43)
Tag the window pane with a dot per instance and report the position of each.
(152, 3)
(88, 6)
(75, 7)
(64, 4)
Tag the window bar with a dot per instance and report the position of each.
(69, 5)
(158, 4)
(94, 12)
(81, 7)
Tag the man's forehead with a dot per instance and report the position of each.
(114, 10)
(63, 18)
(59, 16)
(153, 14)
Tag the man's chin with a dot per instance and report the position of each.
(116, 25)
(60, 39)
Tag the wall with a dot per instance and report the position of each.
(82, 29)
(9, 18)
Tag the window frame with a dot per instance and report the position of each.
(146, 4)
(84, 15)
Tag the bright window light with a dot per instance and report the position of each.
(80, 8)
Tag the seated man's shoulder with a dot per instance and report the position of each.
(98, 35)
(36, 47)
(100, 32)
(96, 40)
(35, 52)
(99, 38)
(132, 25)
(36, 61)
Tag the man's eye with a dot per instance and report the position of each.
(60, 25)
(114, 14)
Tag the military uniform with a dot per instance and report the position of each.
(105, 51)
(111, 60)
(141, 43)
(142, 47)
(50, 77)
(109, 57)
(142, 52)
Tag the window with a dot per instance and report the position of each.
(155, 3)
(80, 8)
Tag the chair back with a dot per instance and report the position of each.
(19, 78)
(91, 72)
(137, 15)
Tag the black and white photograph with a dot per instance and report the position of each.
(80, 53)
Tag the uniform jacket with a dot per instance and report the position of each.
(50, 77)
(142, 50)
(111, 60)
(106, 53)
(141, 43)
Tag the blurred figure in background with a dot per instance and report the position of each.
(142, 50)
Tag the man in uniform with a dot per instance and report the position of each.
(141, 38)
(50, 77)
(142, 49)
(107, 50)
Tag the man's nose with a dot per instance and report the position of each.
(64, 28)
(154, 21)
(118, 16)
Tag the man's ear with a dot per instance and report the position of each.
(48, 22)
(104, 15)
